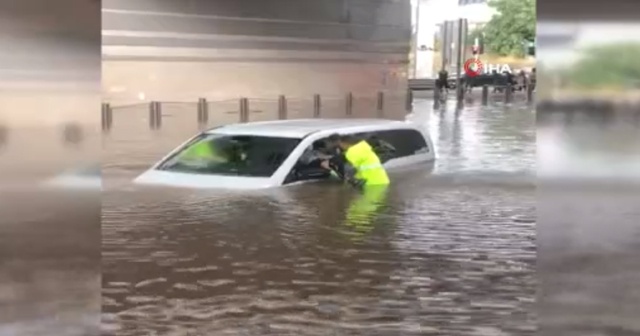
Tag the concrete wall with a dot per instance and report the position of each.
(50, 56)
(181, 50)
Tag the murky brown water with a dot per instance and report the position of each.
(49, 262)
(448, 253)
(588, 225)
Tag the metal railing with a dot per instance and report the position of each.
(507, 92)
(207, 113)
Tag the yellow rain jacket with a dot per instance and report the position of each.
(367, 164)
(202, 151)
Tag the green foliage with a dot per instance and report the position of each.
(512, 25)
(471, 36)
(612, 65)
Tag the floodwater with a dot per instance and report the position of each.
(450, 250)
(455, 251)
(588, 225)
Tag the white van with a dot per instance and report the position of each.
(275, 153)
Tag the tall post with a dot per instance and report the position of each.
(244, 110)
(349, 104)
(152, 115)
(508, 92)
(445, 45)
(316, 106)
(282, 107)
(203, 111)
(107, 117)
(459, 49)
(416, 41)
(155, 115)
(409, 101)
(380, 104)
(158, 115)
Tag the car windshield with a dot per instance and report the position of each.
(236, 155)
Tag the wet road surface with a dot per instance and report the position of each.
(588, 226)
(451, 252)
(448, 252)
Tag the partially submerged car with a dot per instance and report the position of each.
(270, 154)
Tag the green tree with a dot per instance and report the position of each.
(513, 24)
(613, 65)
(473, 34)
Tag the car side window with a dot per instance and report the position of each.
(406, 142)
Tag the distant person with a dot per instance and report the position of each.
(442, 83)
(363, 167)
(532, 79)
(495, 79)
(523, 80)
(511, 79)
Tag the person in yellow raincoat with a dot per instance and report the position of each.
(202, 153)
(362, 169)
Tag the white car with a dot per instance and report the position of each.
(279, 153)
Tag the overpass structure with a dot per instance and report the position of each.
(185, 49)
(49, 62)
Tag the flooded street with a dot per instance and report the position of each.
(588, 225)
(448, 252)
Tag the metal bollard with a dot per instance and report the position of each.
(409, 101)
(4, 136)
(155, 115)
(107, 117)
(380, 104)
(244, 110)
(508, 95)
(530, 93)
(282, 107)
(349, 104)
(203, 111)
(485, 95)
(316, 106)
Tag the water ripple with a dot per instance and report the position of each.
(448, 253)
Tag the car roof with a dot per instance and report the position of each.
(299, 128)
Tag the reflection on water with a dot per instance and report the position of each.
(448, 253)
(49, 263)
(588, 227)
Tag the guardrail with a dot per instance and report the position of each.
(508, 91)
(422, 84)
(381, 105)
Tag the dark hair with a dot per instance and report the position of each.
(348, 139)
(335, 137)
